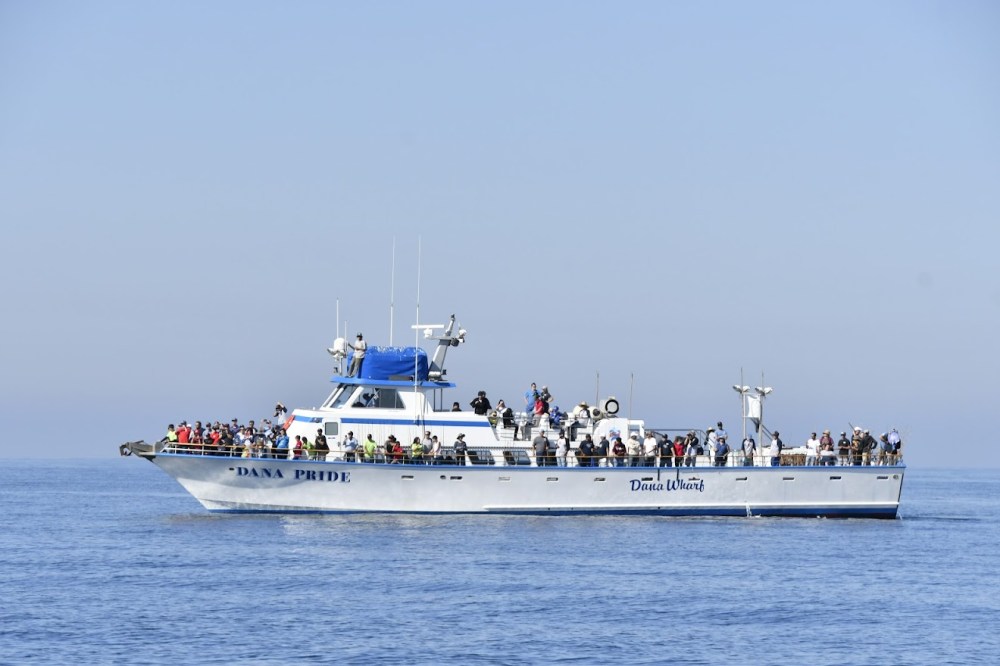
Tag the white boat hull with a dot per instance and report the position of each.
(275, 485)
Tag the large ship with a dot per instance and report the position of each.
(489, 463)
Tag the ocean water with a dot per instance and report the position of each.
(109, 561)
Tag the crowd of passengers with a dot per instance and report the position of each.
(242, 440)
(267, 440)
(270, 441)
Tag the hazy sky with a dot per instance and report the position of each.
(664, 191)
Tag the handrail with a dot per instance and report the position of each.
(524, 455)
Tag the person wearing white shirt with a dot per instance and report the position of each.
(359, 347)
(775, 450)
(437, 457)
(562, 449)
(812, 450)
(649, 444)
(350, 447)
(749, 448)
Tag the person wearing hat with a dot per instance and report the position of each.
(460, 449)
(862, 449)
(827, 456)
(184, 434)
(171, 436)
(635, 451)
(844, 449)
(350, 447)
(775, 450)
(359, 347)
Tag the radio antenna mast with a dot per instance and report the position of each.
(418, 279)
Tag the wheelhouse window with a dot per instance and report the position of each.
(382, 398)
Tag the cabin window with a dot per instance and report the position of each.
(340, 398)
(331, 428)
(481, 457)
(516, 457)
(388, 398)
(382, 398)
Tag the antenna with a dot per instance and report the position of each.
(416, 339)
(597, 390)
(631, 384)
(418, 278)
(392, 288)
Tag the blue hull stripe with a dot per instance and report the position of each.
(734, 512)
(400, 422)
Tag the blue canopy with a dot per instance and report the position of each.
(382, 363)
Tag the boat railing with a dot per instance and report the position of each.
(521, 456)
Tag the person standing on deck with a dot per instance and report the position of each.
(749, 449)
(812, 450)
(885, 449)
(897, 444)
(359, 347)
(721, 434)
(711, 443)
(541, 446)
(775, 451)
(585, 452)
(530, 396)
(437, 457)
(826, 453)
(691, 450)
(350, 447)
(844, 449)
(321, 446)
(601, 453)
(480, 404)
(869, 447)
(171, 436)
(636, 453)
(651, 449)
(857, 446)
(618, 453)
(370, 447)
(562, 450)
(416, 451)
(461, 448)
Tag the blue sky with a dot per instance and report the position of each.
(658, 194)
